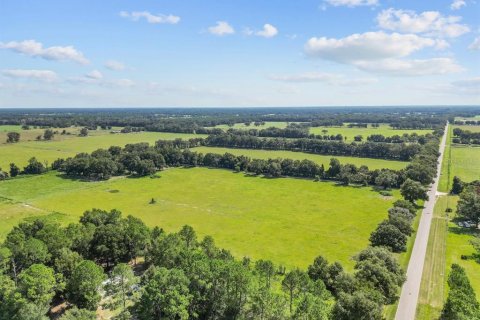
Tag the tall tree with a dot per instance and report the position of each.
(84, 285)
(165, 296)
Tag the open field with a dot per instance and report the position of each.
(67, 146)
(477, 118)
(267, 124)
(461, 161)
(289, 221)
(320, 159)
(350, 133)
(469, 128)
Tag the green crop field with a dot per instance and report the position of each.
(320, 159)
(460, 160)
(289, 221)
(67, 146)
(350, 133)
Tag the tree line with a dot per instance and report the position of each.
(465, 136)
(401, 151)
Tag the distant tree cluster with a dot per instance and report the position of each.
(465, 136)
(13, 137)
(468, 206)
(404, 138)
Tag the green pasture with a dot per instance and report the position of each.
(350, 133)
(466, 119)
(289, 221)
(461, 161)
(320, 159)
(68, 146)
(469, 128)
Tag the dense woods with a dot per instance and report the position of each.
(182, 277)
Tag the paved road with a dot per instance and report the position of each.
(407, 305)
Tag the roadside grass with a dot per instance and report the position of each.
(68, 146)
(320, 159)
(434, 276)
(290, 221)
(461, 161)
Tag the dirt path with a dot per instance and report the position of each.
(407, 304)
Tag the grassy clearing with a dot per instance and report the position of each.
(466, 119)
(350, 133)
(469, 128)
(289, 221)
(267, 124)
(68, 146)
(320, 159)
(459, 161)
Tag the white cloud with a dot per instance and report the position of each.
(368, 46)
(379, 52)
(221, 28)
(114, 65)
(150, 18)
(428, 22)
(95, 74)
(352, 3)
(417, 67)
(41, 75)
(457, 4)
(329, 78)
(268, 31)
(475, 45)
(35, 49)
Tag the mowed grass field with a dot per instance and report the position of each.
(320, 159)
(68, 146)
(460, 160)
(350, 133)
(289, 221)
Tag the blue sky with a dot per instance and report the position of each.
(162, 53)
